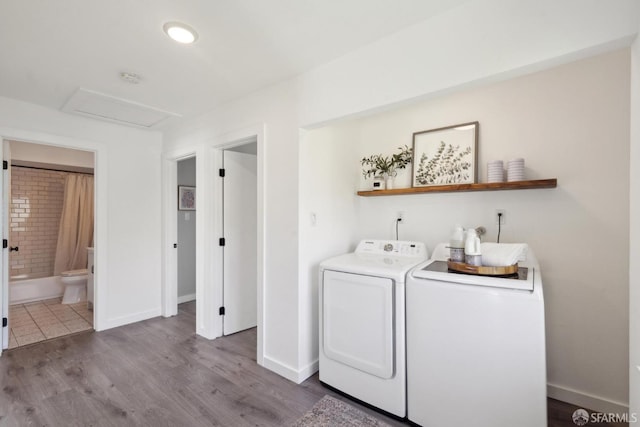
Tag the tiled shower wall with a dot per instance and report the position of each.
(36, 206)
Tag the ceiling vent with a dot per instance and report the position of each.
(99, 106)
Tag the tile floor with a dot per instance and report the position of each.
(43, 320)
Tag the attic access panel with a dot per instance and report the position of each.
(99, 106)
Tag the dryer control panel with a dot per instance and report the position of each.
(392, 247)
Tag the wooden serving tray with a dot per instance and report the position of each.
(482, 270)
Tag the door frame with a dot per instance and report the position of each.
(209, 228)
(169, 289)
(100, 207)
(5, 200)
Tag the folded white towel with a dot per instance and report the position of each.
(502, 254)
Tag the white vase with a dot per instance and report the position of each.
(388, 183)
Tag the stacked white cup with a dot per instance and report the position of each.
(515, 170)
(495, 171)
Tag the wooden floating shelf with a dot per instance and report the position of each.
(451, 188)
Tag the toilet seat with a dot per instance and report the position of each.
(73, 273)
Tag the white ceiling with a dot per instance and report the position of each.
(48, 49)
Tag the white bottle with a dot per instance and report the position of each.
(472, 252)
(456, 245)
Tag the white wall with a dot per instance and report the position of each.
(328, 215)
(128, 225)
(479, 41)
(570, 122)
(475, 42)
(275, 106)
(634, 250)
(186, 236)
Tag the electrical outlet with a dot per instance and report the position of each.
(501, 217)
(400, 216)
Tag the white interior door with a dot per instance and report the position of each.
(5, 181)
(240, 233)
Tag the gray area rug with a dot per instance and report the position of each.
(330, 412)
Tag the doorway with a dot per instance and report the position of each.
(186, 223)
(44, 188)
(209, 253)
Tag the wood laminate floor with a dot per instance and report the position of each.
(159, 373)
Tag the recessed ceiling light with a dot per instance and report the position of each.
(182, 33)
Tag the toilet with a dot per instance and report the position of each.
(75, 286)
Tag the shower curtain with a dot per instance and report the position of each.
(75, 233)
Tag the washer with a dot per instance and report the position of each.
(362, 333)
(475, 347)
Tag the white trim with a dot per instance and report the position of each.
(131, 318)
(308, 371)
(169, 290)
(101, 235)
(186, 298)
(208, 254)
(261, 135)
(295, 375)
(585, 400)
(6, 204)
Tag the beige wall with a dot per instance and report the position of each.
(570, 123)
(48, 154)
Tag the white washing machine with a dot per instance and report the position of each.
(475, 347)
(362, 323)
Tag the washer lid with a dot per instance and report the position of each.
(430, 270)
(395, 267)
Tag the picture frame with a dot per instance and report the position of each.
(446, 155)
(186, 198)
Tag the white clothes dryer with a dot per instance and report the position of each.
(362, 323)
(475, 346)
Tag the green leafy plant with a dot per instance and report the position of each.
(447, 166)
(378, 165)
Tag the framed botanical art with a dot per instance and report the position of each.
(186, 198)
(447, 155)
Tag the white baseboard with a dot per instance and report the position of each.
(308, 370)
(295, 375)
(186, 298)
(586, 401)
(132, 318)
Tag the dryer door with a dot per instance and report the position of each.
(358, 322)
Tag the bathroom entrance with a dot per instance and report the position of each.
(48, 217)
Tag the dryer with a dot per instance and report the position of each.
(362, 322)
